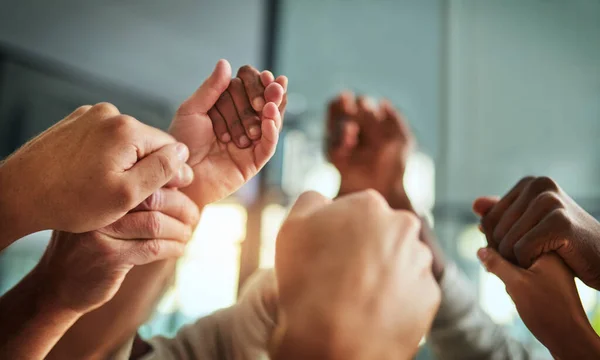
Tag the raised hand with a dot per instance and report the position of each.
(369, 146)
(223, 161)
(354, 280)
(537, 217)
(86, 172)
(547, 301)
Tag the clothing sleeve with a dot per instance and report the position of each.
(463, 331)
(241, 331)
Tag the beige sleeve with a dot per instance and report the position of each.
(241, 331)
(463, 331)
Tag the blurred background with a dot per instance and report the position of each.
(494, 90)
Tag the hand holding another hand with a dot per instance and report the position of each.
(354, 280)
(86, 172)
(537, 217)
(547, 301)
(231, 128)
(83, 271)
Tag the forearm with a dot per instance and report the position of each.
(580, 342)
(31, 322)
(98, 333)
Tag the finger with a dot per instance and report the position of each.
(219, 125)
(283, 81)
(266, 77)
(308, 203)
(541, 239)
(509, 217)
(142, 225)
(537, 210)
(141, 252)
(270, 124)
(254, 86)
(529, 193)
(148, 138)
(184, 177)
(153, 172)
(482, 205)
(497, 265)
(367, 112)
(227, 109)
(208, 93)
(274, 93)
(172, 203)
(394, 118)
(246, 113)
(491, 219)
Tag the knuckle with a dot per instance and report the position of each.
(154, 201)
(166, 167)
(154, 224)
(123, 126)
(525, 181)
(126, 195)
(105, 108)
(246, 70)
(152, 247)
(372, 199)
(560, 219)
(544, 183)
(410, 220)
(548, 200)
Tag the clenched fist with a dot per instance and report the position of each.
(354, 280)
(537, 217)
(86, 172)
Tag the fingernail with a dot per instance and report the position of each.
(225, 138)
(483, 254)
(182, 152)
(258, 103)
(188, 233)
(254, 131)
(244, 141)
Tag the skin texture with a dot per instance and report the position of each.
(537, 217)
(370, 145)
(54, 185)
(220, 172)
(341, 297)
(548, 303)
(80, 272)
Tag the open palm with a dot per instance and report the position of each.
(220, 168)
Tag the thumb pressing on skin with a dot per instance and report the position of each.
(499, 266)
(482, 205)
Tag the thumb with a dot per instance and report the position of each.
(497, 265)
(208, 93)
(155, 170)
(482, 205)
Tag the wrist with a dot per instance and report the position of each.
(16, 218)
(315, 337)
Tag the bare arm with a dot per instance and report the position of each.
(31, 322)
